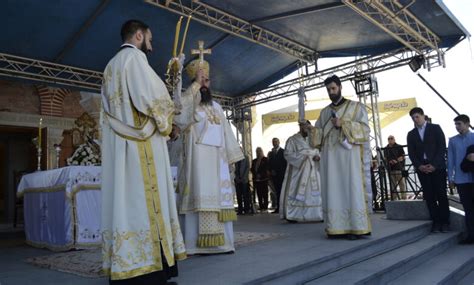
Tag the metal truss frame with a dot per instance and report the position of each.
(236, 26)
(63, 75)
(47, 72)
(397, 21)
(389, 15)
(367, 90)
(360, 67)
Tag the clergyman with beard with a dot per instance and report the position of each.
(205, 184)
(341, 132)
(140, 225)
(301, 192)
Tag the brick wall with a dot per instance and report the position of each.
(71, 106)
(19, 98)
(24, 98)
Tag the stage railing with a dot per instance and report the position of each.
(387, 183)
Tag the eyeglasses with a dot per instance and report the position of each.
(391, 139)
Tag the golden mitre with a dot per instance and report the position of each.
(199, 63)
(193, 67)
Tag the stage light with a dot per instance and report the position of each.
(416, 63)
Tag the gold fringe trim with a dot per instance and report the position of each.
(210, 240)
(180, 256)
(227, 215)
(342, 232)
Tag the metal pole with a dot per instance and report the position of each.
(440, 96)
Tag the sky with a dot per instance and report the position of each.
(455, 83)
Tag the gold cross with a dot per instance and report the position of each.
(201, 51)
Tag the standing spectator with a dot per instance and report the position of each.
(242, 186)
(260, 179)
(427, 150)
(277, 167)
(395, 156)
(464, 181)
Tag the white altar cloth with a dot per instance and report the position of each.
(62, 207)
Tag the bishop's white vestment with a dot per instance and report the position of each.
(343, 183)
(206, 188)
(140, 227)
(300, 198)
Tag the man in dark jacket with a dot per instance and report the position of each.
(395, 157)
(427, 151)
(242, 186)
(259, 171)
(277, 167)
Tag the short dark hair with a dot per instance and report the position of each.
(130, 27)
(331, 79)
(462, 118)
(416, 110)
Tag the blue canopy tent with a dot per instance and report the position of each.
(85, 34)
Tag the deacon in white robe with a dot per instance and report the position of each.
(140, 228)
(206, 187)
(341, 132)
(301, 194)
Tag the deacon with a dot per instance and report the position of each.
(341, 132)
(205, 188)
(301, 193)
(140, 230)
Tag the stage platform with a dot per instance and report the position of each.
(296, 254)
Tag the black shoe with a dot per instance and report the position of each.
(239, 213)
(291, 221)
(444, 228)
(336, 236)
(276, 211)
(352, 237)
(467, 241)
(435, 228)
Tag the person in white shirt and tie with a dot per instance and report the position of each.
(427, 151)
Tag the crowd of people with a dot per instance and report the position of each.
(149, 222)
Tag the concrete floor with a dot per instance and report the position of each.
(300, 244)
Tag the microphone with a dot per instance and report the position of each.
(334, 115)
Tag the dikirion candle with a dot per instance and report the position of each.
(39, 132)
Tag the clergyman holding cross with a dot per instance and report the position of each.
(210, 149)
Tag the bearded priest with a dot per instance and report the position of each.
(141, 235)
(206, 188)
(301, 191)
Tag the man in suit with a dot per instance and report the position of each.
(260, 178)
(242, 186)
(427, 151)
(277, 167)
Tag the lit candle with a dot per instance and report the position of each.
(184, 36)
(176, 36)
(39, 133)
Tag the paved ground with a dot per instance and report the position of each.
(300, 244)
